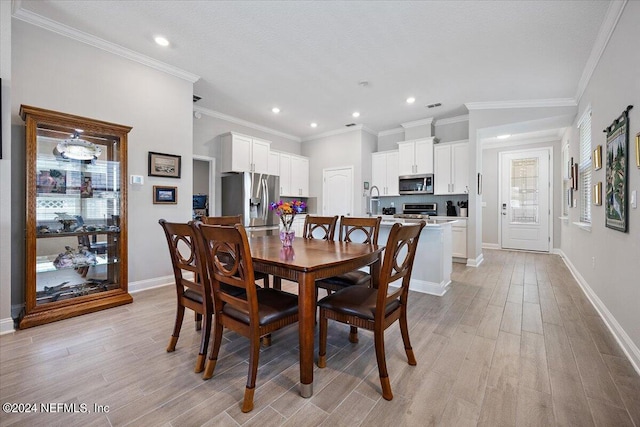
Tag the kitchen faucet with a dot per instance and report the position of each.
(373, 199)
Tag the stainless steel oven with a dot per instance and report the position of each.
(416, 184)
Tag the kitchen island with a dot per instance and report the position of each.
(433, 263)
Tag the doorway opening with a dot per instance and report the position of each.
(204, 171)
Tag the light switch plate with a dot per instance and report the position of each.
(136, 179)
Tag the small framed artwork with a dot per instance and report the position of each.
(597, 158)
(479, 183)
(164, 165)
(574, 176)
(597, 194)
(163, 195)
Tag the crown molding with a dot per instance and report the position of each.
(423, 122)
(390, 132)
(64, 30)
(369, 131)
(339, 132)
(242, 122)
(530, 103)
(606, 31)
(452, 120)
(516, 143)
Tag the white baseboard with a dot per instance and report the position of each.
(475, 262)
(491, 246)
(431, 288)
(6, 326)
(156, 282)
(627, 345)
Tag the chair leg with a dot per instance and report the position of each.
(213, 356)
(353, 335)
(204, 344)
(176, 329)
(198, 319)
(382, 364)
(322, 347)
(247, 404)
(404, 330)
(266, 340)
(277, 282)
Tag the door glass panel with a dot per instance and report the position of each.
(524, 191)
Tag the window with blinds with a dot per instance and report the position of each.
(584, 167)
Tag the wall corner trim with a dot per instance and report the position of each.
(64, 30)
(628, 346)
(6, 326)
(475, 262)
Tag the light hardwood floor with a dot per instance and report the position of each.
(514, 342)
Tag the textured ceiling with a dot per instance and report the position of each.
(308, 57)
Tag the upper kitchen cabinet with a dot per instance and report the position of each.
(451, 174)
(384, 172)
(294, 175)
(274, 163)
(415, 157)
(242, 153)
(76, 216)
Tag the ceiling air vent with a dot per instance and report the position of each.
(350, 124)
(437, 104)
(196, 98)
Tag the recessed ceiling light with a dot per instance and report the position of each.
(504, 136)
(314, 125)
(356, 114)
(161, 41)
(411, 100)
(275, 110)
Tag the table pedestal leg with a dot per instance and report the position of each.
(306, 320)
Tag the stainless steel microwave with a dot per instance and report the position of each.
(416, 184)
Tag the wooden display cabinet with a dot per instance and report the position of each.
(76, 203)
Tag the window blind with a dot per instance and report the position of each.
(584, 168)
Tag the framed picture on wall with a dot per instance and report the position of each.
(616, 192)
(164, 165)
(163, 195)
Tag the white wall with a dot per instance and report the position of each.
(344, 149)
(206, 142)
(58, 73)
(6, 323)
(490, 183)
(452, 131)
(613, 281)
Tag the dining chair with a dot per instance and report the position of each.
(357, 230)
(233, 220)
(319, 227)
(376, 309)
(256, 313)
(191, 282)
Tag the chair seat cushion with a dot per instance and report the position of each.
(193, 295)
(352, 278)
(357, 301)
(273, 305)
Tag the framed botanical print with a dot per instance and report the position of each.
(616, 191)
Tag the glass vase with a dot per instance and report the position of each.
(286, 237)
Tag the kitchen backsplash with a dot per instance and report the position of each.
(385, 202)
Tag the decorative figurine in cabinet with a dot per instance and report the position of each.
(76, 207)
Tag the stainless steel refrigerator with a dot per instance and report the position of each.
(249, 194)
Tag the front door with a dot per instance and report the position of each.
(525, 207)
(337, 192)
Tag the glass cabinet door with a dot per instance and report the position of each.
(76, 216)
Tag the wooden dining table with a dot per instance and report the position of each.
(305, 262)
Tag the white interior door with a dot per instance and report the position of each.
(525, 207)
(337, 191)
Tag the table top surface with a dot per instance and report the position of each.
(308, 254)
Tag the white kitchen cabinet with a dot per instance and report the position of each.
(294, 175)
(415, 157)
(274, 163)
(298, 224)
(459, 239)
(451, 164)
(384, 172)
(242, 153)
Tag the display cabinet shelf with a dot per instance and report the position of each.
(76, 210)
